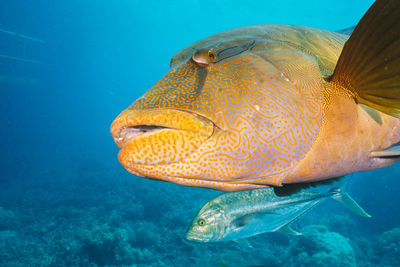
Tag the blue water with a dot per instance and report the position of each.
(64, 198)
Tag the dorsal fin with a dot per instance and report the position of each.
(291, 189)
(369, 65)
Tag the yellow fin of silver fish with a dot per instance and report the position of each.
(341, 196)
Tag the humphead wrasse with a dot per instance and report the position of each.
(268, 105)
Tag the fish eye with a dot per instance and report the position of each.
(211, 54)
(201, 222)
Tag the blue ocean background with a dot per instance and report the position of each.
(64, 198)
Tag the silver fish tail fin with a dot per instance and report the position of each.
(340, 195)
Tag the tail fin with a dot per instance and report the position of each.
(340, 195)
(369, 66)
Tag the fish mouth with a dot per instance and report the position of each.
(196, 238)
(159, 136)
(127, 133)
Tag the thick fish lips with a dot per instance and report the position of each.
(157, 137)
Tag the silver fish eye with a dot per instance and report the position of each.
(201, 222)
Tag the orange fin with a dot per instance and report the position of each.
(369, 66)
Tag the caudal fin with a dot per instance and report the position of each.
(340, 195)
(369, 65)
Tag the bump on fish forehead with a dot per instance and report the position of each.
(265, 120)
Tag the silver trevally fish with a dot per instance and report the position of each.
(237, 215)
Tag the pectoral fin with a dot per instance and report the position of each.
(369, 65)
(391, 152)
(288, 230)
(373, 113)
(244, 220)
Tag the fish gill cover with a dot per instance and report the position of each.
(67, 69)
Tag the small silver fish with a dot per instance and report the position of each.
(237, 215)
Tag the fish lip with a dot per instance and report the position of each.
(122, 133)
(126, 133)
(196, 238)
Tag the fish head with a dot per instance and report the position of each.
(222, 117)
(209, 225)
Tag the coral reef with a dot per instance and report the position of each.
(320, 247)
(6, 218)
(94, 216)
(105, 246)
(389, 247)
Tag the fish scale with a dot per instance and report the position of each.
(283, 102)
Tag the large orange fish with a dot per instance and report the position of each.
(268, 105)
